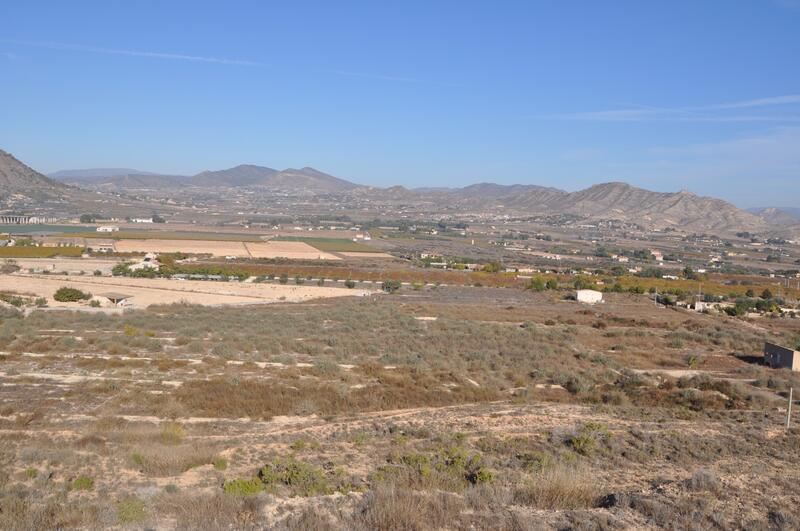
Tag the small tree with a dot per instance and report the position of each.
(390, 286)
(349, 283)
(493, 267)
(766, 294)
(284, 278)
(536, 284)
(66, 294)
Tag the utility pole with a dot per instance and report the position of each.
(789, 410)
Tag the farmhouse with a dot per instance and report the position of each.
(104, 247)
(150, 261)
(779, 357)
(589, 296)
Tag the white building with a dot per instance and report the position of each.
(107, 228)
(141, 220)
(589, 296)
(150, 261)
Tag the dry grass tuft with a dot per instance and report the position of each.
(211, 513)
(391, 507)
(172, 460)
(559, 487)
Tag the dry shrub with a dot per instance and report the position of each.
(559, 487)
(172, 460)
(211, 512)
(703, 480)
(18, 514)
(401, 388)
(391, 507)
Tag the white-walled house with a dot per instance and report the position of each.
(589, 296)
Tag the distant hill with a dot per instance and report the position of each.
(303, 180)
(307, 179)
(659, 209)
(623, 202)
(242, 175)
(17, 179)
(94, 174)
(785, 216)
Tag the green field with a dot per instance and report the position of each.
(331, 245)
(166, 235)
(39, 252)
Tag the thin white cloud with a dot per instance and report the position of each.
(136, 53)
(760, 102)
(703, 113)
(8, 55)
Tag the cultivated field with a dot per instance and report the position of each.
(448, 408)
(69, 265)
(329, 244)
(146, 292)
(39, 252)
(271, 249)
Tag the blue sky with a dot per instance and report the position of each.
(701, 95)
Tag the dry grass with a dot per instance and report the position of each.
(211, 512)
(390, 507)
(262, 400)
(172, 460)
(559, 487)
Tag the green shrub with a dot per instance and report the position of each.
(82, 483)
(390, 286)
(302, 478)
(220, 463)
(31, 473)
(587, 440)
(349, 283)
(172, 433)
(243, 487)
(65, 294)
(131, 510)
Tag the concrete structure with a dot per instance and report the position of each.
(589, 296)
(117, 299)
(150, 261)
(6, 219)
(104, 247)
(142, 220)
(702, 306)
(108, 228)
(779, 357)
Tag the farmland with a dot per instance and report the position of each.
(148, 292)
(39, 252)
(166, 235)
(330, 244)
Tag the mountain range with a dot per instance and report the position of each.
(609, 201)
(244, 175)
